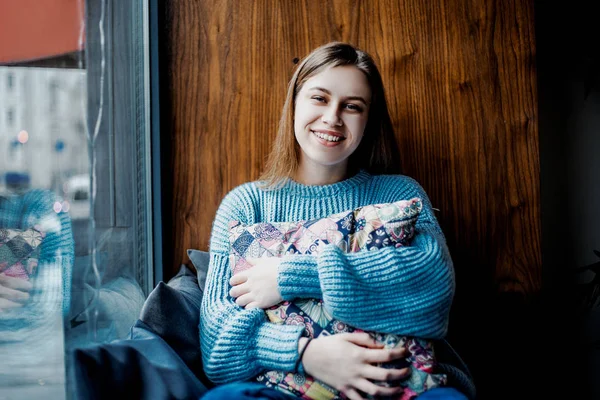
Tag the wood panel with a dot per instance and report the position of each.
(461, 83)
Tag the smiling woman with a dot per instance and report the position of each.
(338, 92)
(332, 110)
(334, 153)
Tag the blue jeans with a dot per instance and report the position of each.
(250, 390)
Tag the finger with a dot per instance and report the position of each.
(238, 279)
(353, 394)
(252, 305)
(239, 290)
(376, 390)
(13, 294)
(5, 303)
(399, 352)
(363, 339)
(15, 283)
(384, 374)
(243, 300)
(373, 356)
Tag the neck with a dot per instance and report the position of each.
(313, 174)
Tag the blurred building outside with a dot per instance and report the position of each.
(43, 142)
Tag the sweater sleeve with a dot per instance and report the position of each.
(236, 343)
(406, 290)
(35, 208)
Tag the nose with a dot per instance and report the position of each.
(331, 116)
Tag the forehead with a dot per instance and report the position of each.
(344, 80)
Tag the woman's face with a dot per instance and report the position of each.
(331, 115)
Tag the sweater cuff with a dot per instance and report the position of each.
(298, 278)
(276, 346)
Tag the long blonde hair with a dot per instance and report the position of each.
(378, 151)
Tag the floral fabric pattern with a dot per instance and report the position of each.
(367, 228)
(19, 252)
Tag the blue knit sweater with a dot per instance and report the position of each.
(58, 247)
(405, 290)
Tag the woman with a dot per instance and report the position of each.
(335, 150)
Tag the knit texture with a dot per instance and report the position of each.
(57, 250)
(406, 290)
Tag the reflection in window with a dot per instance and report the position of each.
(53, 94)
(52, 151)
(74, 190)
(81, 195)
(10, 117)
(37, 242)
(9, 81)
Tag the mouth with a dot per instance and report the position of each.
(329, 137)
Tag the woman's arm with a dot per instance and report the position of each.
(236, 343)
(406, 290)
(14, 292)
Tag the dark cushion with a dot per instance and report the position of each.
(160, 360)
(172, 311)
(143, 367)
(200, 260)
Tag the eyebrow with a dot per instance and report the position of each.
(359, 98)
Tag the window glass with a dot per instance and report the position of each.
(9, 81)
(75, 226)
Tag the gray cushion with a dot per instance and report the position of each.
(200, 260)
(172, 311)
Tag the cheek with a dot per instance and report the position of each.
(357, 127)
(298, 116)
(306, 112)
(303, 116)
(356, 143)
(298, 129)
(297, 120)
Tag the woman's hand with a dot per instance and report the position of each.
(13, 292)
(345, 362)
(257, 287)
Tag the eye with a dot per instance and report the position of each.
(353, 107)
(319, 99)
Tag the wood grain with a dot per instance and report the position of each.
(461, 83)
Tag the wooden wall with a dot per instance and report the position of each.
(461, 84)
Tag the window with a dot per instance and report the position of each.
(53, 94)
(75, 184)
(10, 117)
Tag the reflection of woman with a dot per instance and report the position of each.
(34, 209)
(13, 291)
(33, 297)
(334, 145)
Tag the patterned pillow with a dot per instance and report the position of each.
(19, 252)
(366, 228)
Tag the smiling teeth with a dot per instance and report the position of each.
(329, 138)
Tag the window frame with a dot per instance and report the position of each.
(118, 65)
